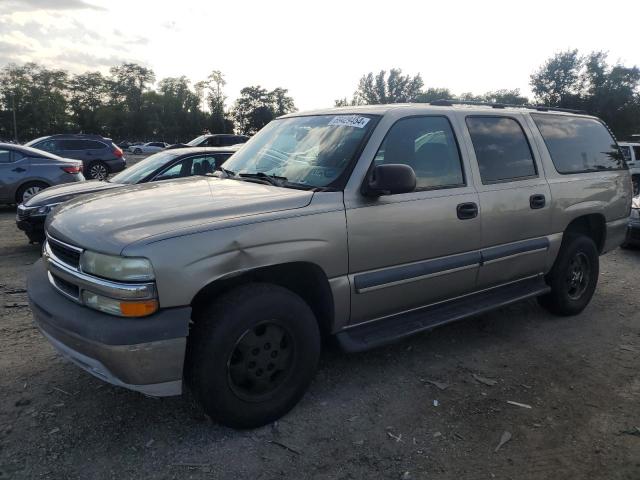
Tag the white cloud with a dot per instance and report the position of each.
(319, 50)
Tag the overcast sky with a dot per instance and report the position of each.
(318, 49)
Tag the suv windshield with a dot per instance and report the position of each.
(142, 169)
(312, 151)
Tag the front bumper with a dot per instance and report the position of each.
(141, 354)
(33, 226)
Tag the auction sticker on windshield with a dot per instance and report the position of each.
(349, 121)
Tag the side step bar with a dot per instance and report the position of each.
(389, 329)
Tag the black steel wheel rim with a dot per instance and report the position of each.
(261, 361)
(578, 275)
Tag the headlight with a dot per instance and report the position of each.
(635, 203)
(43, 210)
(125, 269)
(122, 308)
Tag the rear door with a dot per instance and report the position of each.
(514, 197)
(14, 170)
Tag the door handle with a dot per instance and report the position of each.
(467, 210)
(19, 169)
(537, 201)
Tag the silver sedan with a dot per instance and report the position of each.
(25, 171)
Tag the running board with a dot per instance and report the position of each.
(386, 330)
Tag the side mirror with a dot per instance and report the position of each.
(390, 179)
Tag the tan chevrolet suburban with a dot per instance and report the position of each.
(367, 224)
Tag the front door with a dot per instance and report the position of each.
(409, 250)
(515, 199)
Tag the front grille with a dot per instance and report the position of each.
(66, 287)
(634, 234)
(65, 254)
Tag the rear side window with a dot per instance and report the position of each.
(5, 156)
(93, 145)
(501, 148)
(636, 151)
(578, 144)
(49, 145)
(428, 145)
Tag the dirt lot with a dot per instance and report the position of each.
(371, 415)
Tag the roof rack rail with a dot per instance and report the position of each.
(447, 102)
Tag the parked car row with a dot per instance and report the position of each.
(365, 224)
(99, 155)
(25, 171)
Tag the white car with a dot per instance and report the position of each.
(149, 147)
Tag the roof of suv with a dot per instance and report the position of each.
(75, 136)
(437, 106)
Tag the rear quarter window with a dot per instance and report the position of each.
(578, 144)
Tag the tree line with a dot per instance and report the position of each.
(125, 105)
(566, 80)
(128, 103)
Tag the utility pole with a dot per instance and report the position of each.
(15, 124)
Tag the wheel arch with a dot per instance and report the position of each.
(26, 182)
(306, 279)
(593, 225)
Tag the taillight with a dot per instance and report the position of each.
(118, 152)
(74, 169)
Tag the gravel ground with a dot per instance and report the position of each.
(431, 407)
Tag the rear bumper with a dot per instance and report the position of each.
(116, 165)
(141, 354)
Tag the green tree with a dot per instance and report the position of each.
(393, 88)
(257, 106)
(39, 96)
(88, 95)
(558, 82)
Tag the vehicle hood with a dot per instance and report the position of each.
(108, 221)
(67, 191)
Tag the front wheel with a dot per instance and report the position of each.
(137, 151)
(573, 278)
(252, 354)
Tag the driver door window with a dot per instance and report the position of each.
(427, 145)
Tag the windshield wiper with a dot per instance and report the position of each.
(271, 179)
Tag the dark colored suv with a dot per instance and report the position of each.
(213, 140)
(99, 155)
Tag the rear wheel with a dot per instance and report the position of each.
(28, 190)
(98, 171)
(574, 276)
(252, 354)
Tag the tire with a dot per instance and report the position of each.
(28, 190)
(97, 171)
(574, 276)
(635, 182)
(137, 151)
(237, 340)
